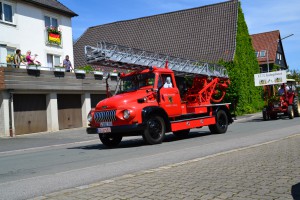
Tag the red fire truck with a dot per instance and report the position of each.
(154, 98)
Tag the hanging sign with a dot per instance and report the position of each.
(270, 78)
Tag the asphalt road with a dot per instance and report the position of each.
(38, 164)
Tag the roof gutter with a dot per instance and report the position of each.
(71, 14)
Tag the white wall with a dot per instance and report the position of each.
(28, 33)
(4, 114)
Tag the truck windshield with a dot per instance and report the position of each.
(135, 82)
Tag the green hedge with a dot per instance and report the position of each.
(241, 72)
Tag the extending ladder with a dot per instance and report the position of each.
(113, 55)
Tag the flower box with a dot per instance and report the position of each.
(99, 73)
(59, 69)
(79, 71)
(113, 76)
(53, 36)
(33, 67)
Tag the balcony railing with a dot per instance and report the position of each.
(44, 78)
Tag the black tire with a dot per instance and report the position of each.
(265, 115)
(182, 133)
(273, 116)
(290, 112)
(110, 141)
(221, 123)
(296, 107)
(155, 130)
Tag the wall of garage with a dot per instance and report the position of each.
(43, 101)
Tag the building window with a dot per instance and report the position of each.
(6, 55)
(256, 54)
(6, 12)
(10, 50)
(51, 22)
(263, 53)
(279, 56)
(53, 32)
(53, 60)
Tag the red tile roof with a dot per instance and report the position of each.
(266, 41)
(206, 33)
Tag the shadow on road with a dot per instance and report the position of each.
(296, 191)
(261, 120)
(140, 142)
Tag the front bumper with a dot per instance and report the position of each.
(125, 130)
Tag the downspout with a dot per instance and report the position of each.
(11, 96)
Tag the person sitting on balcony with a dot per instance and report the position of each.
(31, 60)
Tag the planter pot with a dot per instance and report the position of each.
(98, 73)
(113, 76)
(33, 70)
(79, 71)
(57, 69)
(33, 67)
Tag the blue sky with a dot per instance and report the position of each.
(261, 16)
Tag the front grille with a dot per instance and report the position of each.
(105, 116)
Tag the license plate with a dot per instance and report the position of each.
(104, 130)
(105, 124)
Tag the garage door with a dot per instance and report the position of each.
(30, 113)
(69, 111)
(95, 98)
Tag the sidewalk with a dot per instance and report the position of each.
(265, 171)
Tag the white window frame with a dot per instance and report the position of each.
(279, 56)
(51, 17)
(12, 12)
(257, 54)
(53, 59)
(262, 53)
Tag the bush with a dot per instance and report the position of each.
(241, 72)
(86, 68)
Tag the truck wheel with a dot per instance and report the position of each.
(182, 133)
(296, 107)
(109, 140)
(265, 115)
(221, 123)
(290, 112)
(273, 116)
(155, 130)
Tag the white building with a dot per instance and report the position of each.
(24, 25)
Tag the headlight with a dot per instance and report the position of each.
(126, 114)
(89, 117)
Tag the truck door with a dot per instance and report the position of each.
(169, 95)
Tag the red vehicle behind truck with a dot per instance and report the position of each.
(148, 101)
